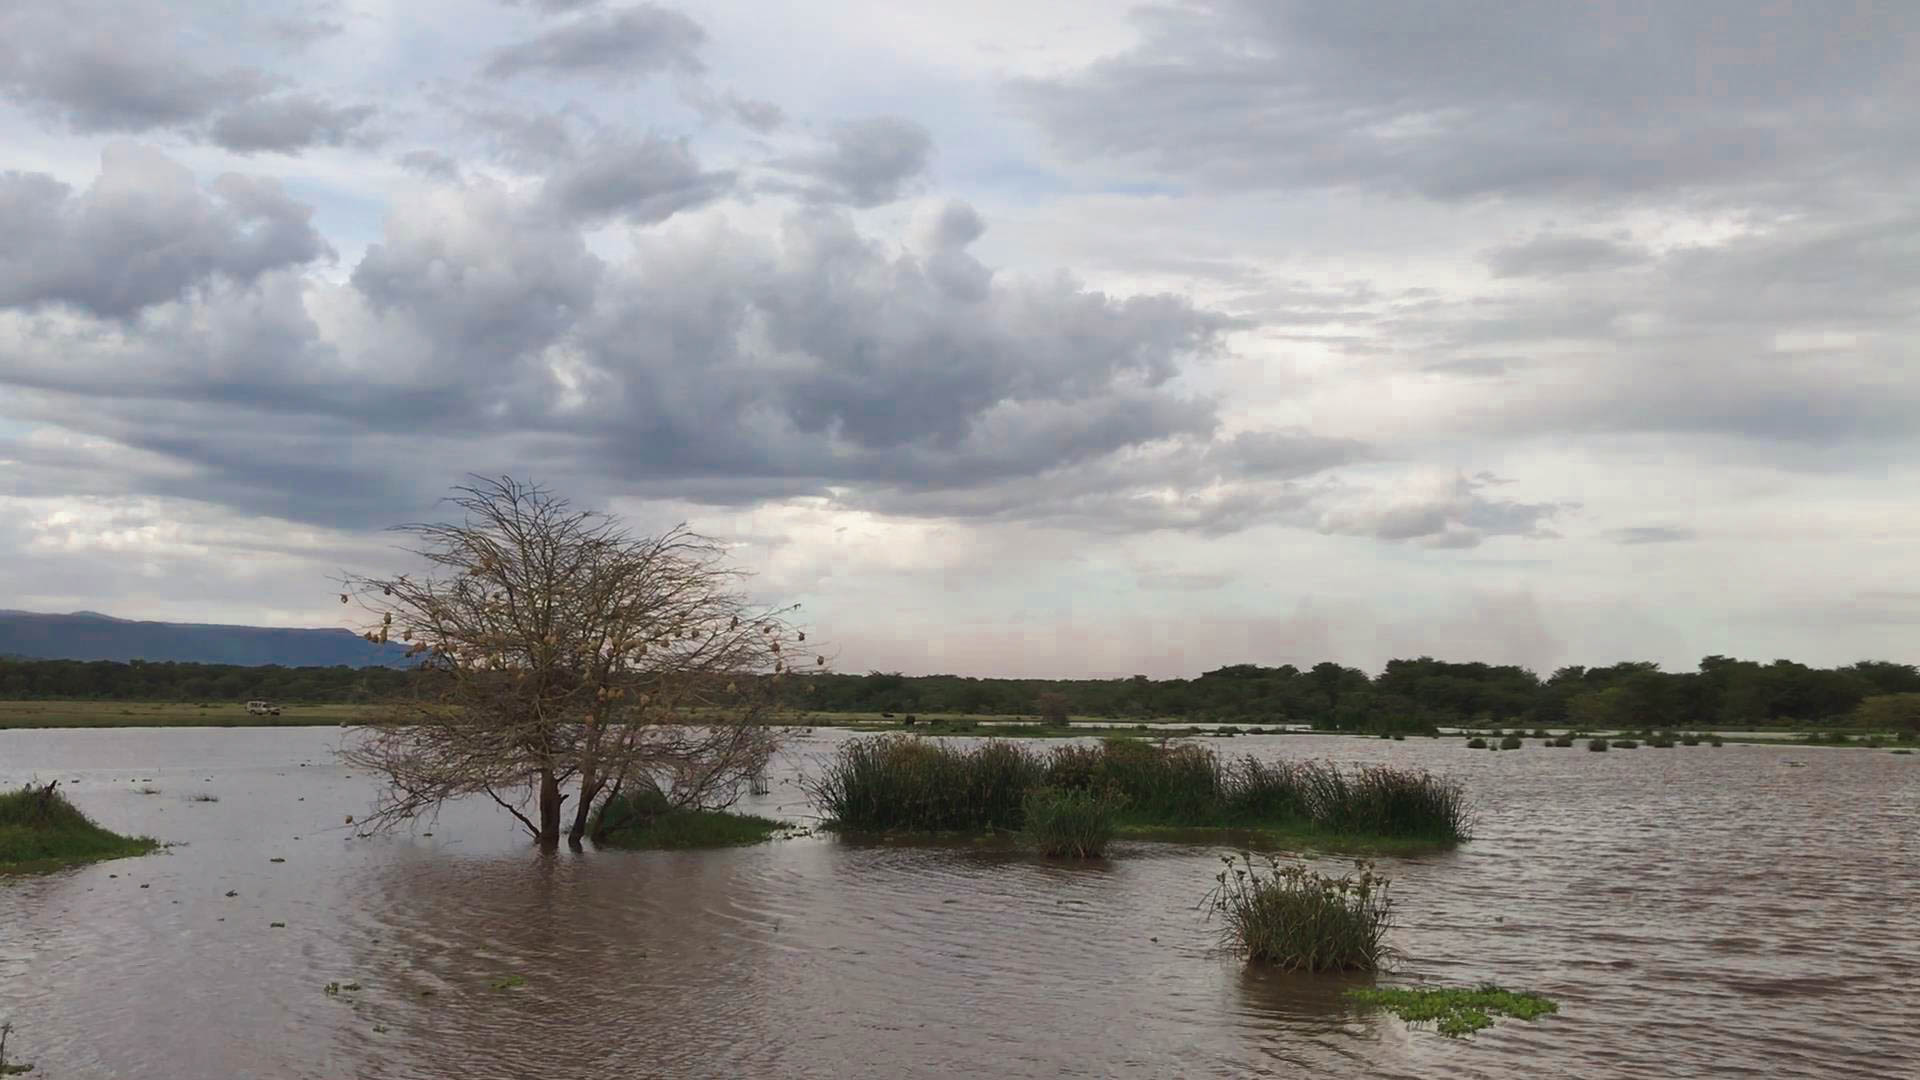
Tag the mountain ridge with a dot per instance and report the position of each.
(91, 635)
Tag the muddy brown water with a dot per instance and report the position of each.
(1747, 911)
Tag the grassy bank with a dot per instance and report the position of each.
(895, 783)
(40, 829)
(647, 823)
(116, 714)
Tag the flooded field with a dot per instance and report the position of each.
(1749, 910)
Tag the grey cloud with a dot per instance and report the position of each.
(556, 7)
(1554, 255)
(644, 181)
(755, 114)
(525, 140)
(1289, 453)
(431, 163)
(290, 123)
(1456, 514)
(144, 233)
(612, 46)
(480, 332)
(1490, 98)
(111, 83)
(1653, 534)
(865, 163)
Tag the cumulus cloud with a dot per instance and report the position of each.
(145, 232)
(612, 46)
(642, 180)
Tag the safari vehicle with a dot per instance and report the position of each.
(262, 708)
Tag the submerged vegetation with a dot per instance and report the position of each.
(897, 783)
(1290, 916)
(1454, 1012)
(39, 826)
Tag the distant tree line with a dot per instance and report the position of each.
(107, 680)
(1419, 694)
(1407, 695)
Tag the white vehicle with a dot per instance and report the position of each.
(262, 708)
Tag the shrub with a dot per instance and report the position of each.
(1660, 743)
(1625, 744)
(1596, 744)
(1052, 707)
(1541, 733)
(1511, 742)
(1689, 740)
(1717, 742)
(1287, 915)
(1072, 823)
(1476, 743)
(1564, 740)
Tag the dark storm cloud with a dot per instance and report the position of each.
(1491, 97)
(1552, 256)
(289, 124)
(865, 163)
(610, 46)
(145, 232)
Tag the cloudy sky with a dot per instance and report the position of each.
(1009, 338)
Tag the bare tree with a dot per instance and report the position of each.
(562, 657)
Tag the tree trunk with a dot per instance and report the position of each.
(550, 800)
(590, 786)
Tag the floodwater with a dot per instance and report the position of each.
(1746, 911)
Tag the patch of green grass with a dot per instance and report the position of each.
(40, 829)
(1453, 1012)
(696, 829)
(1597, 745)
(508, 982)
(1902, 750)
(1287, 915)
(1070, 823)
(1625, 744)
(1476, 743)
(1511, 742)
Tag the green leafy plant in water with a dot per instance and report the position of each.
(1454, 1012)
(7, 1068)
(1511, 742)
(1476, 743)
(1071, 823)
(508, 982)
(1288, 915)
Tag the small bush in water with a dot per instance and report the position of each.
(1287, 915)
(1511, 742)
(1476, 743)
(1069, 823)
(1596, 744)
(1625, 744)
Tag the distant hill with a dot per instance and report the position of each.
(89, 635)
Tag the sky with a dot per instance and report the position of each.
(1073, 339)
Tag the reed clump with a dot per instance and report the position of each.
(1070, 823)
(894, 783)
(1290, 916)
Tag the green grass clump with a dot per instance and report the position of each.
(1625, 744)
(1455, 1013)
(39, 826)
(1476, 743)
(1596, 744)
(1902, 750)
(1689, 740)
(1287, 915)
(1511, 742)
(1660, 743)
(894, 783)
(644, 821)
(1070, 823)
